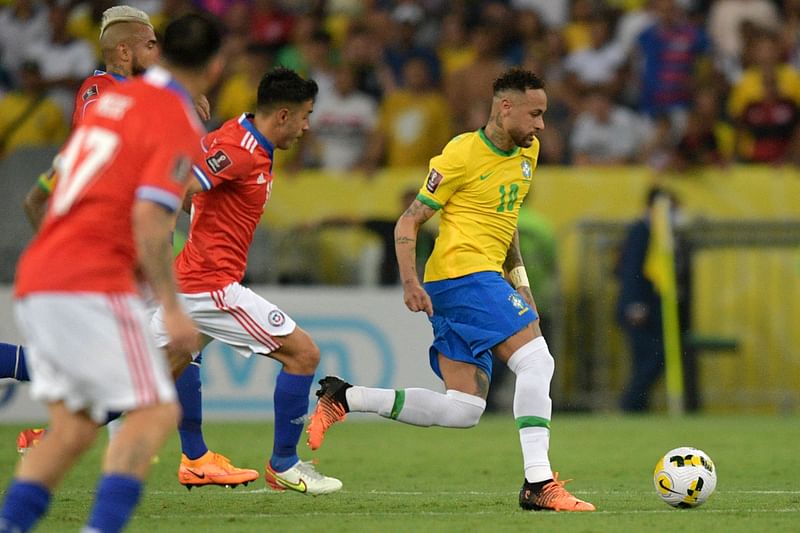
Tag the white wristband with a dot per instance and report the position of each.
(519, 277)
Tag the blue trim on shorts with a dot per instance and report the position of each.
(472, 314)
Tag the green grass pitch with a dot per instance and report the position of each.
(402, 478)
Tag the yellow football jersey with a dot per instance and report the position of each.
(479, 189)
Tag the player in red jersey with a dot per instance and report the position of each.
(236, 179)
(109, 220)
(129, 47)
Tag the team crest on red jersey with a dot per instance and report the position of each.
(433, 181)
(218, 162)
(90, 92)
(276, 318)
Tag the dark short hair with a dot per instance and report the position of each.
(191, 40)
(517, 79)
(284, 86)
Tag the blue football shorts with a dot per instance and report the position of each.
(472, 314)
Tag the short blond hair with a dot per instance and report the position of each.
(116, 14)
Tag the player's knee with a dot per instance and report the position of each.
(466, 409)
(167, 415)
(308, 356)
(533, 357)
(74, 439)
(157, 419)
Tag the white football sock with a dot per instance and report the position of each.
(370, 400)
(420, 407)
(533, 366)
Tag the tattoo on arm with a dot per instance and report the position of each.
(405, 239)
(513, 255)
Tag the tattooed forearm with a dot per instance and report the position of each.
(513, 255)
(414, 209)
(402, 239)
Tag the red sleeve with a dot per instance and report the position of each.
(90, 90)
(164, 178)
(224, 161)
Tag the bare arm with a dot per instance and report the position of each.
(194, 188)
(35, 205)
(405, 246)
(203, 108)
(152, 225)
(519, 279)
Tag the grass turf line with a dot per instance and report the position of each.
(402, 478)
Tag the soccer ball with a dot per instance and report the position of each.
(685, 477)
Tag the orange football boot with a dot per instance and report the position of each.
(331, 408)
(28, 438)
(553, 497)
(213, 469)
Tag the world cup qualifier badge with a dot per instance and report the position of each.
(218, 161)
(91, 91)
(433, 181)
(276, 318)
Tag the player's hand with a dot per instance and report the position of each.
(416, 298)
(203, 108)
(182, 332)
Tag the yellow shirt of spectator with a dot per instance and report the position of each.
(478, 190)
(750, 88)
(44, 125)
(415, 126)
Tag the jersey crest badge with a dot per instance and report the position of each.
(218, 162)
(261, 180)
(433, 181)
(90, 92)
(518, 303)
(527, 169)
(276, 318)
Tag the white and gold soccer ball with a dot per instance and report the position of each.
(685, 477)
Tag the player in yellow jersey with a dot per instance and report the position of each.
(477, 183)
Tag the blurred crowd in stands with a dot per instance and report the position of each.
(671, 84)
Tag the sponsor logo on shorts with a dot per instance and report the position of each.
(219, 161)
(276, 318)
(433, 181)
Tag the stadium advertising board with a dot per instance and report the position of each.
(367, 336)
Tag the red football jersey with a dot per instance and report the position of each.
(137, 142)
(236, 176)
(90, 90)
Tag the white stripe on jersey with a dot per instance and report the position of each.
(249, 142)
(202, 177)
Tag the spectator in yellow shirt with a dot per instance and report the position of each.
(28, 116)
(763, 100)
(413, 123)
